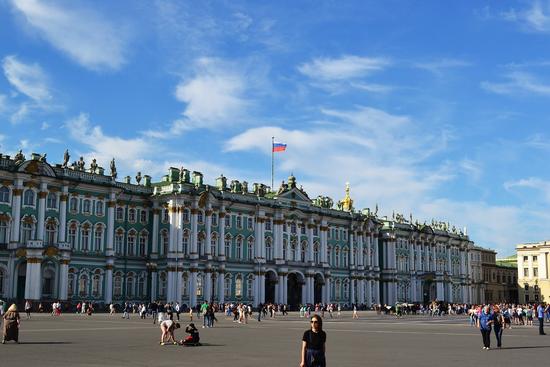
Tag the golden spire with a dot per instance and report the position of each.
(347, 202)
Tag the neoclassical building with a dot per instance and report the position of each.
(72, 232)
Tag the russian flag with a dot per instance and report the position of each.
(279, 147)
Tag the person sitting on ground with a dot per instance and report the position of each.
(167, 328)
(193, 338)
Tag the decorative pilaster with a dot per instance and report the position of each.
(155, 234)
(110, 224)
(63, 279)
(310, 227)
(221, 282)
(63, 214)
(193, 286)
(33, 280)
(278, 238)
(323, 229)
(194, 254)
(208, 225)
(109, 281)
(40, 226)
(16, 210)
(221, 239)
(208, 284)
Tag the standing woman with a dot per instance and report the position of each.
(313, 344)
(498, 324)
(11, 325)
(484, 322)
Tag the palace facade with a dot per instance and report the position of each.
(74, 233)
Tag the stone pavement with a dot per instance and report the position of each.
(103, 340)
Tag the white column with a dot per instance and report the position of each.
(33, 284)
(360, 261)
(369, 293)
(257, 239)
(16, 210)
(262, 287)
(462, 263)
(324, 246)
(63, 279)
(281, 288)
(361, 291)
(193, 288)
(63, 214)
(440, 291)
(221, 239)
(153, 290)
(194, 232)
(110, 224)
(285, 289)
(155, 234)
(41, 211)
(304, 293)
(369, 247)
(108, 283)
(350, 254)
(418, 256)
(262, 238)
(221, 286)
(449, 268)
(309, 253)
(278, 238)
(208, 240)
(208, 286)
(411, 255)
(376, 257)
(377, 291)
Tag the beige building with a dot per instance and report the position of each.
(534, 284)
(500, 280)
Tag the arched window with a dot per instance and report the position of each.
(337, 289)
(143, 216)
(165, 216)
(184, 285)
(130, 285)
(143, 243)
(165, 240)
(316, 253)
(346, 291)
(132, 215)
(83, 286)
(4, 194)
(73, 205)
(345, 257)
(27, 229)
(293, 251)
(4, 231)
(227, 246)
(213, 244)
(250, 248)
(51, 232)
(119, 214)
(87, 206)
(337, 257)
(227, 286)
(200, 217)
(354, 257)
(98, 238)
(70, 285)
(117, 288)
(201, 244)
(185, 242)
(72, 234)
(51, 201)
(250, 287)
(239, 248)
(99, 208)
(268, 249)
(96, 284)
(199, 285)
(28, 197)
(186, 215)
(303, 250)
(131, 250)
(238, 286)
(85, 237)
(119, 241)
(141, 286)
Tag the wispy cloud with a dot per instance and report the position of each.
(536, 18)
(28, 79)
(518, 82)
(83, 34)
(345, 67)
(438, 67)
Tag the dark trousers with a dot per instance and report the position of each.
(541, 325)
(486, 334)
(498, 334)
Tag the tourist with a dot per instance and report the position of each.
(355, 315)
(28, 308)
(167, 328)
(11, 325)
(193, 338)
(112, 309)
(484, 324)
(313, 344)
(540, 316)
(177, 309)
(498, 322)
(126, 313)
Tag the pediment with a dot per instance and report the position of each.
(35, 167)
(294, 194)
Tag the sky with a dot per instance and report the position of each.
(440, 109)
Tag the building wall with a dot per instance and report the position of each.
(533, 281)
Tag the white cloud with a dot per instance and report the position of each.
(28, 79)
(21, 113)
(345, 67)
(519, 82)
(534, 19)
(373, 88)
(471, 169)
(437, 67)
(533, 183)
(83, 34)
(44, 126)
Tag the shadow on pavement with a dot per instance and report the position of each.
(45, 343)
(528, 347)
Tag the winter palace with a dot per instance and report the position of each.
(72, 232)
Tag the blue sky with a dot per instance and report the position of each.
(439, 109)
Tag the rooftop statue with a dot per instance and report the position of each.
(346, 204)
(113, 169)
(19, 157)
(80, 164)
(43, 157)
(66, 157)
(93, 166)
(138, 177)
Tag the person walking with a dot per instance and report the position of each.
(10, 330)
(540, 316)
(28, 308)
(313, 344)
(484, 322)
(498, 324)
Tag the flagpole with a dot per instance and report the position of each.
(272, 163)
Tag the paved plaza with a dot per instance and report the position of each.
(103, 340)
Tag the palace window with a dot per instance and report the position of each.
(238, 286)
(227, 246)
(214, 220)
(227, 286)
(303, 229)
(72, 234)
(164, 242)
(4, 232)
(329, 255)
(239, 222)
(51, 231)
(83, 286)
(345, 258)
(250, 223)
(249, 286)
(85, 238)
(162, 285)
(70, 285)
(51, 201)
(119, 242)
(293, 228)
(186, 215)
(131, 251)
(337, 257)
(303, 250)
(535, 272)
(143, 216)
(165, 216)
(143, 244)
(268, 225)
(141, 287)
(185, 243)
(201, 244)
(73, 205)
(117, 285)
(213, 245)
(99, 208)
(98, 238)
(268, 249)
(4, 194)
(316, 253)
(227, 221)
(534, 258)
(86, 206)
(284, 227)
(200, 217)
(28, 197)
(525, 272)
(293, 250)
(239, 248)
(315, 231)
(27, 231)
(199, 285)
(132, 215)
(96, 281)
(250, 249)
(130, 285)
(184, 285)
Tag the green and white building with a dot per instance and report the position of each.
(74, 233)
